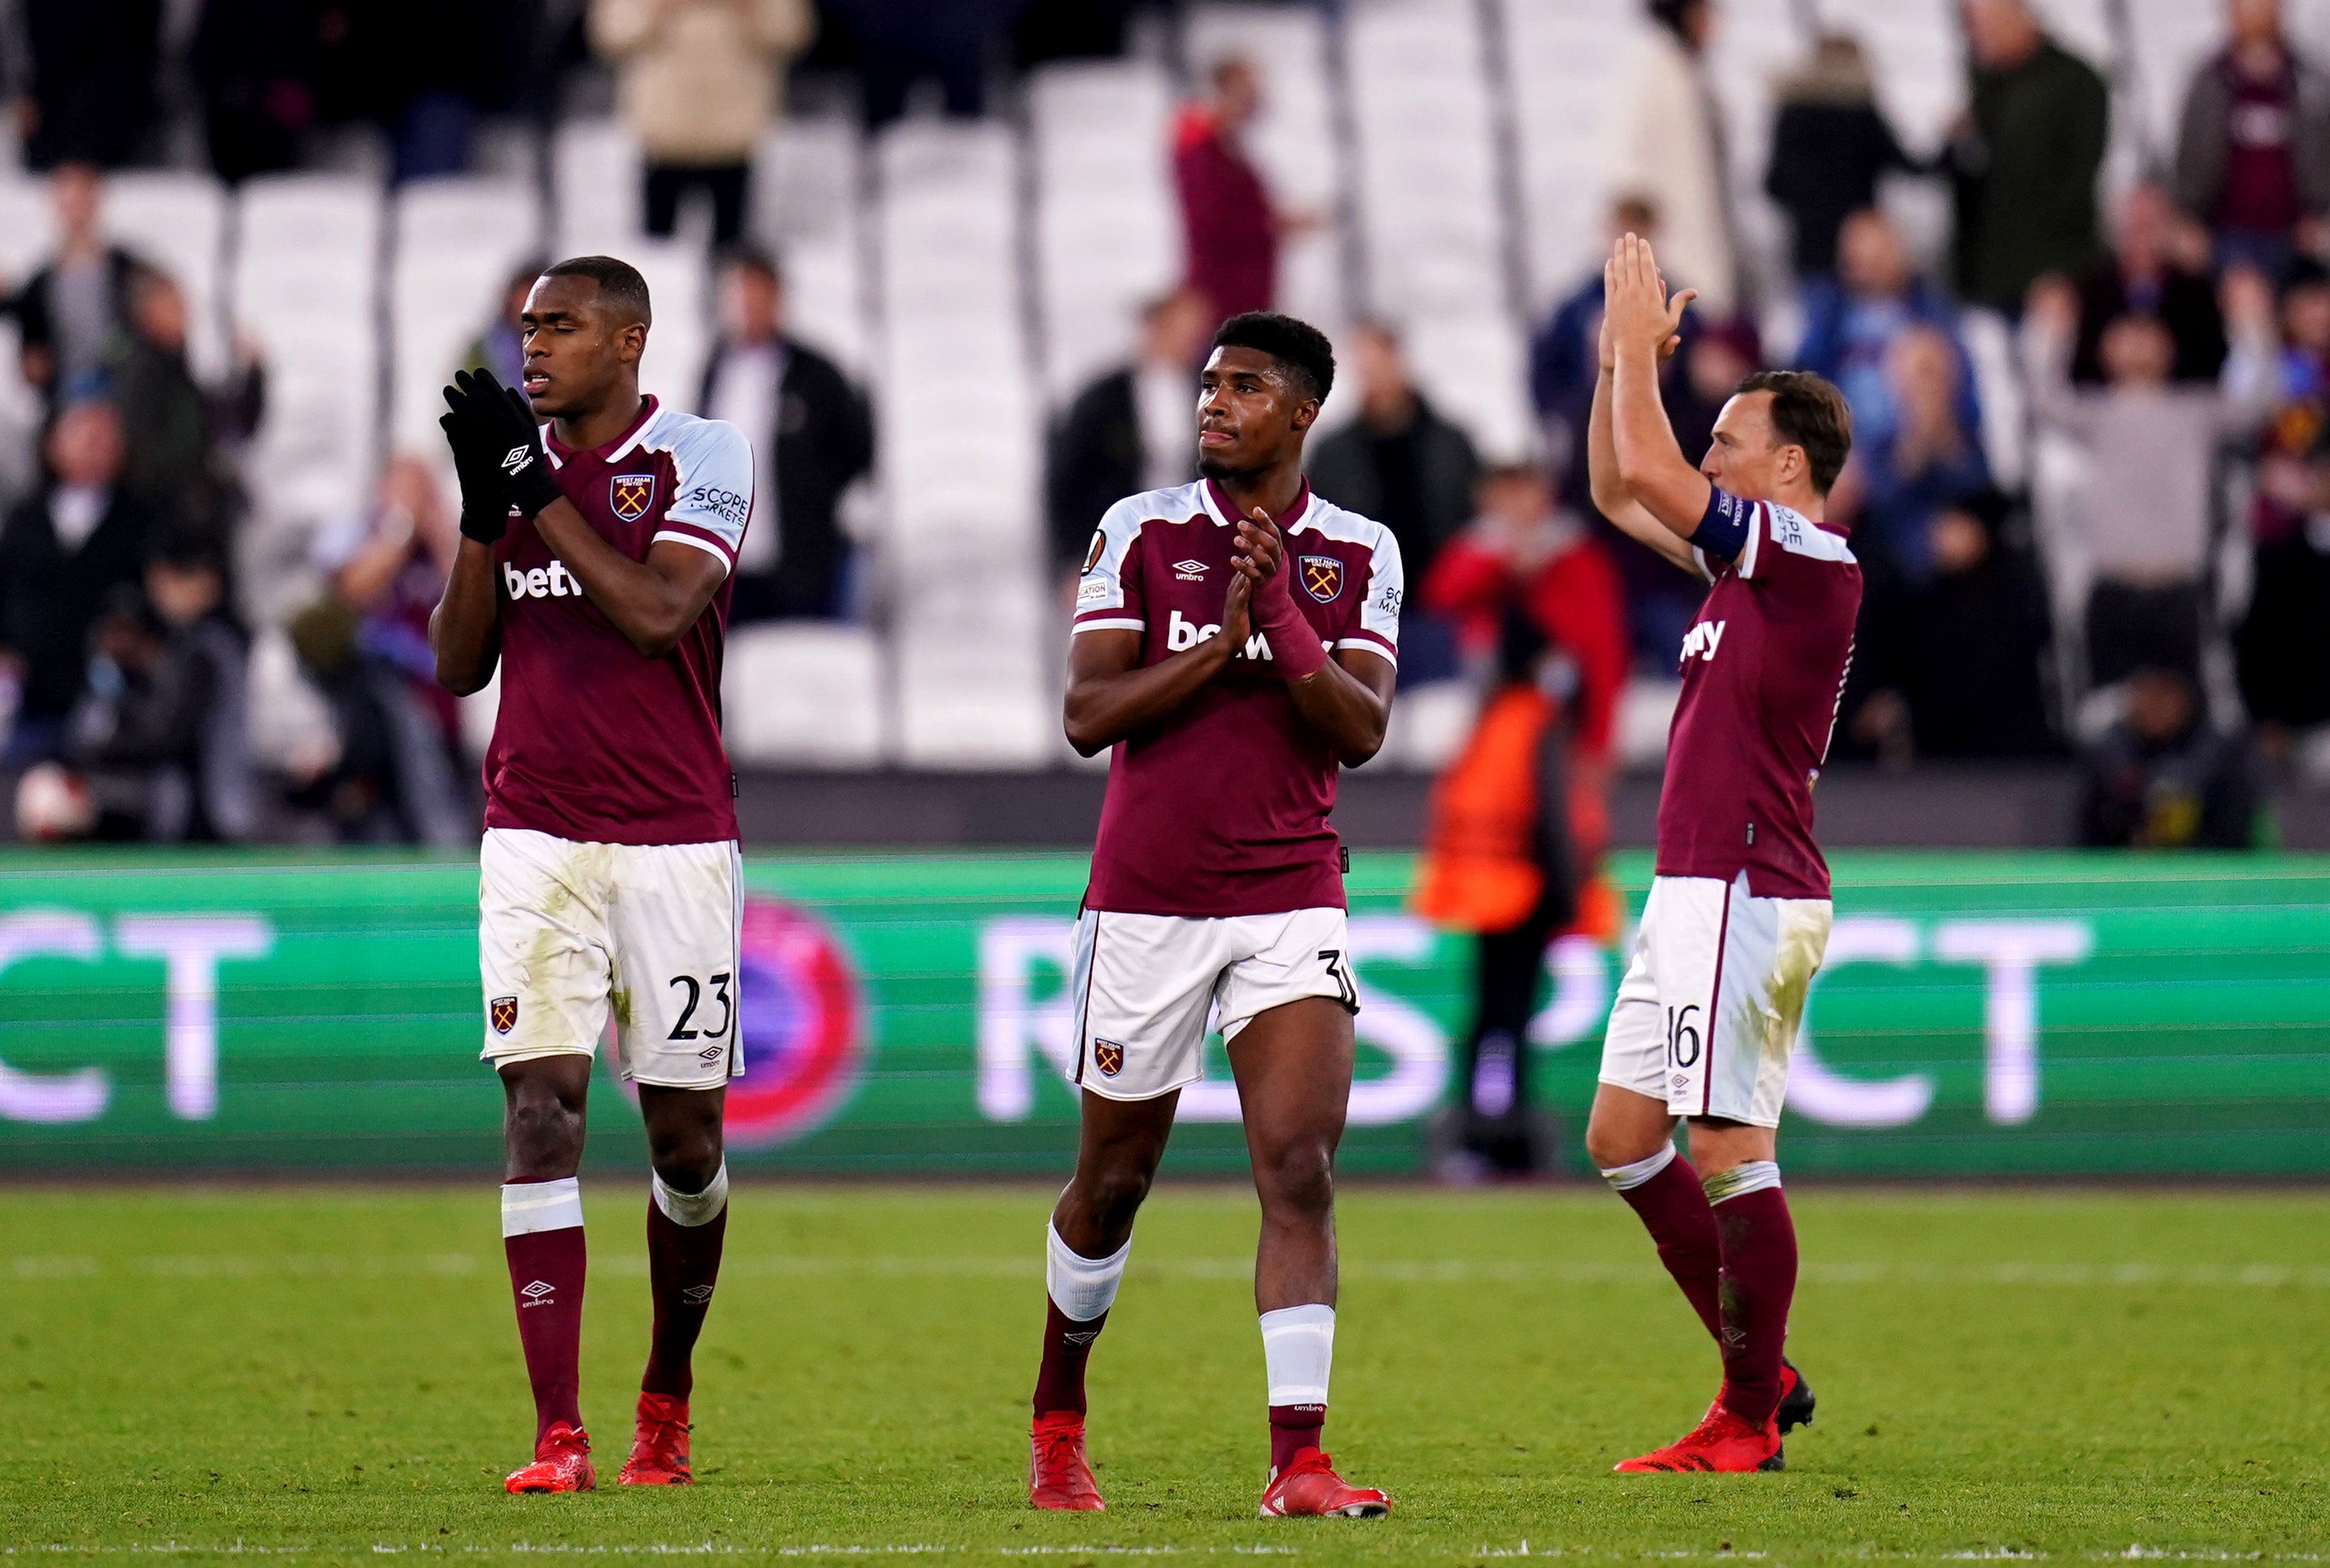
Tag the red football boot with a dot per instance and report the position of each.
(561, 1463)
(1058, 1477)
(658, 1445)
(1720, 1442)
(1309, 1489)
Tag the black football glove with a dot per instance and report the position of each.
(505, 422)
(485, 505)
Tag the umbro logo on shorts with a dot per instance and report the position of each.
(502, 1013)
(1109, 1057)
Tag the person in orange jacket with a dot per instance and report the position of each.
(1519, 822)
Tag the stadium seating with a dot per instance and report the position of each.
(307, 287)
(806, 696)
(1107, 233)
(807, 177)
(594, 185)
(456, 241)
(959, 419)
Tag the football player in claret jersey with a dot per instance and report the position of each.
(1738, 911)
(594, 571)
(1234, 642)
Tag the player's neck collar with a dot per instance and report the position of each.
(561, 454)
(1218, 505)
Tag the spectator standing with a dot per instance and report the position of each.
(1525, 550)
(92, 93)
(812, 437)
(68, 312)
(183, 437)
(2164, 778)
(2253, 145)
(61, 551)
(2143, 516)
(1852, 320)
(699, 81)
(1921, 454)
(1563, 356)
(1952, 661)
(2024, 159)
(1230, 231)
(1670, 139)
(162, 732)
(1131, 429)
(2158, 267)
(2278, 646)
(1830, 146)
(1410, 469)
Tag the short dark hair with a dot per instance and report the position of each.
(1298, 346)
(619, 283)
(1808, 412)
(753, 258)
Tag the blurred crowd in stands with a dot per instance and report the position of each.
(2166, 358)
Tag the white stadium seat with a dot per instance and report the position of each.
(456, 241)
(805, 694)
(807, 180)
(595, 179)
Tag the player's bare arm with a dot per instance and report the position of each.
(1347, 700)
(652, 602)
(1112, 695)
(1611, 496)
(465, 629)
(1639, 319)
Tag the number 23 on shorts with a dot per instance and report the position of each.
(699, 994)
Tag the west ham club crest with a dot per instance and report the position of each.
(1109, 1057)
(503, 1012)
(1322, 577)
(631, 495)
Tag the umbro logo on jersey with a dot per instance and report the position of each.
(502, 1010)
(1702, 640)
(517, 459)
(551, 582)
(1322, 577)
(1189, 571)
(540, 1293)
(630, 495)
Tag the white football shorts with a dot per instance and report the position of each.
(571, 933)
(1707, 1015)
(1148, 988)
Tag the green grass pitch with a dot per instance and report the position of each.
(333, 1372)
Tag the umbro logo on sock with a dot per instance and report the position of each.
(539, 1293)
(697, 1295)
(1081, 1336)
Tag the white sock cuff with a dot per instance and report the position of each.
(693, 1209)
(1081, 1288)
(1298, 1350)
(531, 1207)
(1741, 1179)
(1626, 1177)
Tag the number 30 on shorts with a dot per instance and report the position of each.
(687, 1027)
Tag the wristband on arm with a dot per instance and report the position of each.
(1294, 645)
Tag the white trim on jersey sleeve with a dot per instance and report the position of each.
(1800, 535)
(697, 540)
(1386, 592)
(711, 486)
(1103, 603)
(1759, 518)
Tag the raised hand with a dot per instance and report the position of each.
(1260, 557)
(485, 505)
(506, 423)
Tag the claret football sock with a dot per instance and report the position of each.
(1298, 1350)
(1665, 1193)
(541, 1235)
(1078, 1292)
(685, 1231)
(1759, 1281)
